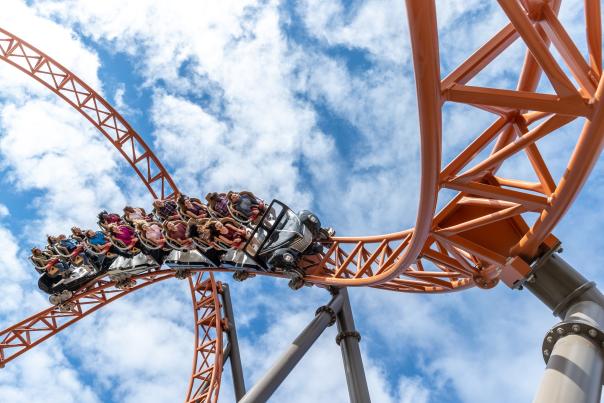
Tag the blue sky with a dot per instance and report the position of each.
(311, 102)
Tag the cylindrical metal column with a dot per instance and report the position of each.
(348, 339)
(234, 356)
(575, 363)
(267, 385)
(574, 369)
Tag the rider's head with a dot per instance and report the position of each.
(211, 196)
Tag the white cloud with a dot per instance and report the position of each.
(238, 47)
(44, 372)
(322, 366)
(412, 391)
(120, 103)
(143, 343)
(13, 274)
(54, 39)
(241, 110)
(48, 148)
(4, 211)
(377, 26)
(44, 144)
(68, 160)
(216, 156)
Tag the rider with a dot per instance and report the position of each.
(55, 267)
(165, 209)
(151, 231)
(70, 244)
(226, 233)
(135, 214)
(191, 209)
(52, 241)
(177, 232)
(40, 258)
(247, 204)
(109, 218)
(124, 233)
(77, 234)
(219, 203)
(98, 240)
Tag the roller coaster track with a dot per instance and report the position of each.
(481, 235)
(205, 379)
(208, 355)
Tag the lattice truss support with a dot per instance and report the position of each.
(207, 363)
(208, 359)
(16, 340)
(477, 238)
(97, 110)
(481, 235)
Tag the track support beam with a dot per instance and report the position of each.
(266, 386)
(348, 339)
(233, 346)
(572, 349)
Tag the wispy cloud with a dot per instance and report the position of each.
(312, 103)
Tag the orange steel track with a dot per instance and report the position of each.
(16, 340)
(481, 235)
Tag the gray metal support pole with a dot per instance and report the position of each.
(234, 356)
(573, 348)
(267, 385)
(226, 353)
(348, 339)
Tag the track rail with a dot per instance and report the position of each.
(481, 235)
(29, 333)
(462, 245)
(93, 107)
(207, 363)
(32, 331)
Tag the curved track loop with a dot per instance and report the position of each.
(32, 331)
(89, 103)
(481, 235)
(205, 380)
(25, 335)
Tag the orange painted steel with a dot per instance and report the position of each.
(481, 235)
(94, 107)
(32, 331)
(207, 363)
(522, 118)
(27, 334)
